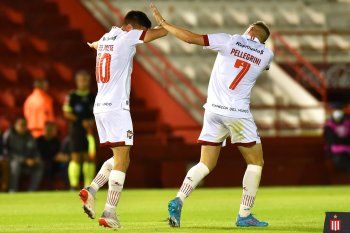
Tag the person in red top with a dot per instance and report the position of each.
(38, 108)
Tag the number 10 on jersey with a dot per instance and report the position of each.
(103, 67)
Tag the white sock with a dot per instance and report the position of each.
(251, 182)
(102, 175)
(193, 177)
(115, 187)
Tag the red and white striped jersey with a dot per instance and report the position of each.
(114, 63)
(240, 61)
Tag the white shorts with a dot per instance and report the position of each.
(216, 128)
(114, 128)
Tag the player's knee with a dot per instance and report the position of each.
(257, 161)
(122, 163)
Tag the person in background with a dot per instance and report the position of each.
(337, 136)
(4, 171)
(49, 147)
(38, 108)
(90, 171)
(61, 168)
(20, 147)
(78, 110)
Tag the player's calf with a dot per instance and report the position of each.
(251, 179)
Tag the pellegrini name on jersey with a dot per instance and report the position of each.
(246, 56)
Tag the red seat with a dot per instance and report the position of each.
(7, 99)
(64, 71)
(39, 44)
(11, 43)
(9, 73)
(35, 71)
(12, 15)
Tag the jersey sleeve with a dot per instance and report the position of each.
(135, 37)
(216, 42)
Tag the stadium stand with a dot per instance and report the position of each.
(288, 100)
(196, 65)
(56, 52)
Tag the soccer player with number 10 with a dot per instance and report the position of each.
(115, 53)
(240, 61)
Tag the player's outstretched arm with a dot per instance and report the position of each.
(182, 34)
(155, 33)
(93, 45)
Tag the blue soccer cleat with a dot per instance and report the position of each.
(249, 221)
(174, 208)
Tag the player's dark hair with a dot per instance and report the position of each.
(264, 27)
(137, 18)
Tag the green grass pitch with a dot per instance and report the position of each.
(293, 209)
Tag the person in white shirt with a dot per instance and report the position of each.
(114, 60)
(240, 61)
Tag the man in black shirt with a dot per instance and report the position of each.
(78, 110)
(49, 148)
(21, 149)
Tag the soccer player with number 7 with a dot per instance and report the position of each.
(240, 61)
(115, 53)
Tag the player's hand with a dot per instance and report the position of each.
(156, 14)
(92, 45)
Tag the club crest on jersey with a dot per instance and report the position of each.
(130, 134)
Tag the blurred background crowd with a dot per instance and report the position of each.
(34, 154)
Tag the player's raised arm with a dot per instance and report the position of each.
(153, 34)
(183, 34)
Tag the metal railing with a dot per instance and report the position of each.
(304, 69)
(325, 51)
(192, 99)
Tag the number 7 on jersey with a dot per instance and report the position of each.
(245, 68)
